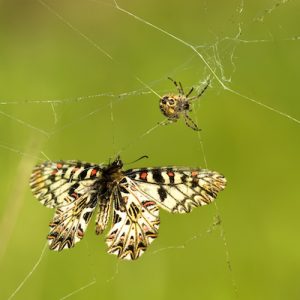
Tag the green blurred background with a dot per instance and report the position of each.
(254, 253)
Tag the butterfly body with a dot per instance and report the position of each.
(132, 197)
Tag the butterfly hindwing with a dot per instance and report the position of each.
(70, 222)
(178, 190)
(135, 221)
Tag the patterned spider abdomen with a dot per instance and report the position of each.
(172, 105)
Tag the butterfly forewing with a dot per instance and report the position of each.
(135, 221)
(54, 182)
(178, 190)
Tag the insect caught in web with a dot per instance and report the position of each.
(131, 198)
(173, 106)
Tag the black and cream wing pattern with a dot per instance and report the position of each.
(67, 187)
(178, 190)
(131, 199)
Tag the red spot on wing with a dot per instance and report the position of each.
(194, 173)
(133, 188)
(59, 165)
(93, 172)
(171, 174)
(143, 175)
(74, 195)
(80, 233)
(148, 203)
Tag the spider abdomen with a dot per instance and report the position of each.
(172, 105)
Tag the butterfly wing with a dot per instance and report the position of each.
(53, 183)
(178, 190)
(70, 222)
(135, 221)
(71, 188)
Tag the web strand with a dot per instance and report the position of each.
(133, 142)
(214, 225)
(30, 273)
(63, 20)
(54, 113)
(73, 100)
(219, 221)
(26, 124)
(21, 153)
(79, 289)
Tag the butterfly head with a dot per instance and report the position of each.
(117, 163)
(113, 171)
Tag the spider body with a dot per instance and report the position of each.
(173, 106)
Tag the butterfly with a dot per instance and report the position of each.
(132, 198)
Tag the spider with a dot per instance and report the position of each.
(172, 106)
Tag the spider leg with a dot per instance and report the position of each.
(179, 87)
(167, 122)
(191, 90)
(190, 123)
(201, 92)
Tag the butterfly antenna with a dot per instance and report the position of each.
(144, 156)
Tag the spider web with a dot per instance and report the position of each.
(249, 54)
